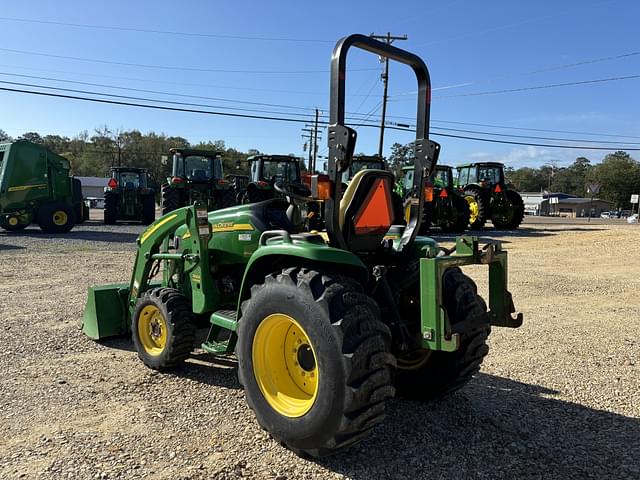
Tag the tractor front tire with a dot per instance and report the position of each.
(148, 209)
(162, 328)
(170, 199)
(431, 374)
(478, 207)
(314, 359)
(56, 217)
(110, 208)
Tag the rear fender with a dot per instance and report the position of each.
(281, 252)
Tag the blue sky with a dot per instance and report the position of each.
(469, 46)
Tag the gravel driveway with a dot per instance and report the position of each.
(557, 398)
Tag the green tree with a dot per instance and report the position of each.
(619, 176)
(32, 137)
(4, 137)
(400, 156)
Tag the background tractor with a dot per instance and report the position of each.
(325, 327)
(488, 196)
(35, 186)
(127, 196)
(265, 171)
(196, 175)
(444, 206)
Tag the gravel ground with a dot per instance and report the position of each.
(557, 398)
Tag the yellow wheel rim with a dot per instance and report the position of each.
(473, 208)
(414, 360)
(152, 330)
(284, 365)
(60, 218)
(13, 221)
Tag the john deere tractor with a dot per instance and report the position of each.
(127, 196)
(444, 206)
(196, 175)
(489, 197)
(265, 171)
(35, 186)
(326, 328)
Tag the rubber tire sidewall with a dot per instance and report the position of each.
(45, 217)
(319, 423)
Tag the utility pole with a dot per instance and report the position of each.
(312, 136)
(388, 38)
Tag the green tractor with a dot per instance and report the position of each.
(267, 170)
(444, 206)
(35, 186)
(128, 197)
(196, 175)
(326, 328)
(488, 196)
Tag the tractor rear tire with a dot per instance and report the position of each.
(148, 209)
(518, 207)
(332, 390)
(169, 200)
(478, 208)
(110, 208)
(163, 328)
(56, 217)
(460, 222)
(432, 374)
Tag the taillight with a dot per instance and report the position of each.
(262, 183)
(175, 180)
(112, 183)
(428, 193)
(222, 181)
(321, 187)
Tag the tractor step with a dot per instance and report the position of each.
(216, 348)
(225, 319)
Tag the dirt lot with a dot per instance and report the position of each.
(558, 398)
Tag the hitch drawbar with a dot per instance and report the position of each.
(434, 322)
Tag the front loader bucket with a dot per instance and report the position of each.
(105, 314)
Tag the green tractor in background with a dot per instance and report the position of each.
(267, 170)
(128, 197)
(488, 196)
(444, 206)
(35, 186)
(325, 327)
(196, 175)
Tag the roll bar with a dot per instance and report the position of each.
(342, 139)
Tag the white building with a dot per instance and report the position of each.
(93, 187)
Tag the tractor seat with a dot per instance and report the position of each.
(129, 186)
(366, 210)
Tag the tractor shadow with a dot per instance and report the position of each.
(4, 247)
(79, 234)
(492, 234)
(201, 367)
(495, 428)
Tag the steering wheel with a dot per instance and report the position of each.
(293, 191)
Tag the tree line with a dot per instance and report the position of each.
(618, 175)
(92, 155)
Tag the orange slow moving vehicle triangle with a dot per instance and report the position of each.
(375, 214)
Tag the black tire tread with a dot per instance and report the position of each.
(110, 208)
(365, 348)
(169, 199)
(446, 372)
(483, 210)
(180, 318)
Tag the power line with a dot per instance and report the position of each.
(540, 87)
(168, 32)
(296, 120)
(165, 67)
